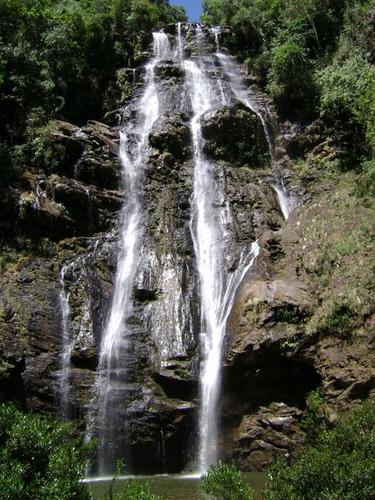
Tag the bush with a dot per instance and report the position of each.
(366, 181)
(134, 490)
(348, 87)
(224, 482)
(339, 464)
(314, 420)
(40, 458)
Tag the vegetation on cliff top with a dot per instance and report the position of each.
(60, 60)
(316, 59)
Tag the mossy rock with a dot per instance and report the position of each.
(171, 136)
(235, 134)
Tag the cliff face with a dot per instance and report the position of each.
(302, 319)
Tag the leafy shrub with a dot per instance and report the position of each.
(40, 458)
(349, 87)
(314, 420)
(224, 482)
(131, 489)
(134, 490)
(339, 464)
(337, 320)
(366, 181)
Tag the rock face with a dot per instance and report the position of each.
(302, 318)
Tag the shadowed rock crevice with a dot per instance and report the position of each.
(263, 398)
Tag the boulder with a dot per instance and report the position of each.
(171, 136)
(235, 134)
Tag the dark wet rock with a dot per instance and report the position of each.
(88, 153)
(92, 209)
(8, 211)
(235, 134)
(167, 70)
(261, 438)
(171, 136)
(59, 207)
(177, 379)
(157, 433)
(49, 219)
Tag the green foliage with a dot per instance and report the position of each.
(339, 464)
(366, 181)
(224, 482)
(131, 490)
(336, 320)
(314, 57)
(58, 59)
(134, 490)
(39, 458)
(348, 89)
(314, 420)
(5, 366)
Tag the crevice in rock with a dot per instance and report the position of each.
(267, 377)
(143, 295)
(12, 387)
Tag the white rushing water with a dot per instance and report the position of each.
(287, 202)
(74, 282)
(180, 43)
(169, 318)
(217, 288)
(66, 344)
(112, 368)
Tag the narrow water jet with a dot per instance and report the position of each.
(66, 343)
(287, 202)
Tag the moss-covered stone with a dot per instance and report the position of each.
(235, 134)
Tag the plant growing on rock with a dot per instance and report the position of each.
(314, 419)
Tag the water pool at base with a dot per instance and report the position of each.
(171, 487)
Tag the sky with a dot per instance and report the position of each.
(193, 8)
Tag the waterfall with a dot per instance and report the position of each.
(76, 321)
(165, 313)
(112, 369)
(66, 344)
(207, 237)
(287, 201)
(217, 287)
(180, 44)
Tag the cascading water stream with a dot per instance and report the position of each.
(180, 44)
(217, 289)
(207, 236)
(287, 202)
(112, 368)
(66, 344)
